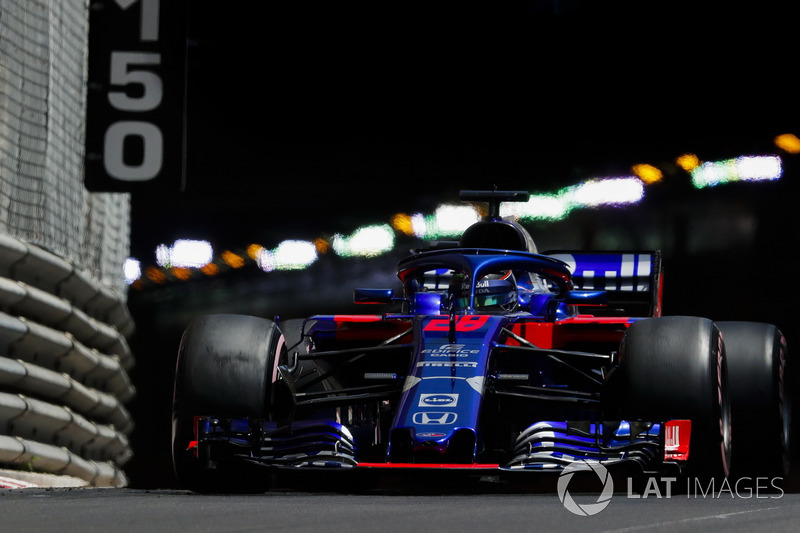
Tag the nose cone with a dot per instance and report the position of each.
(433, 446)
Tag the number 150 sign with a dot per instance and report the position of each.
(137, 91)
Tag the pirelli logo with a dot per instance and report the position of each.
(459, 364)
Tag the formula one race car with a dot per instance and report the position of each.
(493, 364)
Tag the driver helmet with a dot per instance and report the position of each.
(496, 292)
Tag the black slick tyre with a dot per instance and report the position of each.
(226, 368)
(760, 399)
(675, 368)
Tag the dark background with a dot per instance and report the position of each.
(314, 118)
(294, 108)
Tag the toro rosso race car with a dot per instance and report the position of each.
(500, 360)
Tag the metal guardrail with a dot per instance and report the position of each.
(64, 362)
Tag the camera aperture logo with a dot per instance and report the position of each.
(585, 509)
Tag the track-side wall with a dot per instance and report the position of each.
(64, 323)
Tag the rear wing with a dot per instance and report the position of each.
(631, 279)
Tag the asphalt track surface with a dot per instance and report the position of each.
(129, 510)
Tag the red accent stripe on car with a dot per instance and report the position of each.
(454, 466)
(357, 318)
(677, 434)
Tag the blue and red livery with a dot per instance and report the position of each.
(499, 359)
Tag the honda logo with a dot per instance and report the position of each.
(439, 418)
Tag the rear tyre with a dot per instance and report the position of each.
(760, 402)
(226, 367)
(675, 368)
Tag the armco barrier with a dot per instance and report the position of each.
(39, 457)
(64, 362)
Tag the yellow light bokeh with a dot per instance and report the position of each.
(254, 250)
(182, 273)
(648, 173)
(788, 142)
(155, 275)
(322, 245)
(210, 269)
(688, 162)
(402, 223)
(232, 260)
(376, 239)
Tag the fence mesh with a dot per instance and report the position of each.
(43, 74)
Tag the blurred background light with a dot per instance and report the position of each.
(403, 224)
(254, 250)
(182, 273)
(132, 270)
(788, 142)
(155, 275)
(265, 260)
(419, 225)
(367, 241)
(759, 168)
(231, 259)
(210, 269)
(184, 253)
(294, 255)
(162, 256)
(688, 162)
(745, 168)
(452, 219)
(322, 245)
(608, 191)
(647, 173)
(449, 220)
(549, 207)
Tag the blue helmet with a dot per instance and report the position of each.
(493, 293)
(496, 295)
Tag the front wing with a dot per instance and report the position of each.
(543, 447)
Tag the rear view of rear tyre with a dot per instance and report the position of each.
(675, 368)
(760, 401)
(226, 367)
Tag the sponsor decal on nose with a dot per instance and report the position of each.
(438, 400)
(438, 418)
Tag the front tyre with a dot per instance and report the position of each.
(760, 399)
(675, 368)
(226, 367)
